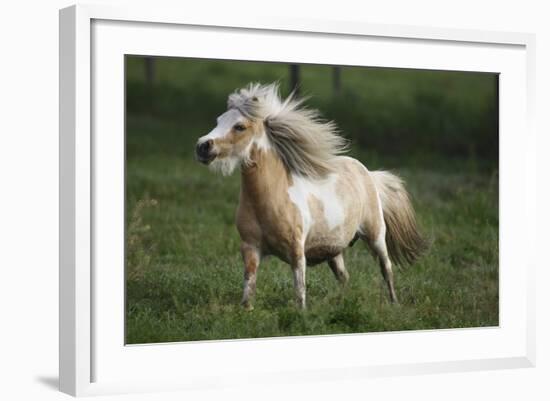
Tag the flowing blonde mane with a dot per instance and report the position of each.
(305, 142)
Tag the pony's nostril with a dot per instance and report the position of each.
(203, 149)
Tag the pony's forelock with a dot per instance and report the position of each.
(302, 139)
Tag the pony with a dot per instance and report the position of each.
(301, 199)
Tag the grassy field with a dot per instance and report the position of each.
(183, 267)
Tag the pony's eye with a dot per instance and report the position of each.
(239, 127)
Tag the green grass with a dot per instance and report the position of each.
(185, 273)
(183, 266)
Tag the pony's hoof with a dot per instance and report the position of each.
(247, 307)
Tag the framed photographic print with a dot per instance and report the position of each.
(285, 199)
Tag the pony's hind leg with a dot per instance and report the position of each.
(378, 246)
(337, 266)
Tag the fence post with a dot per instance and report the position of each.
(337, 80)
(295, 78)
(149, 71)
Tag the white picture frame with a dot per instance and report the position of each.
(93, 357)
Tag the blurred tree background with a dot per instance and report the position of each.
(418, 115)
(436, 129)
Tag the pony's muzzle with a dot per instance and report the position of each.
(204, 151)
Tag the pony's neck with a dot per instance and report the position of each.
(264, 178)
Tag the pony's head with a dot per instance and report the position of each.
(256, 116)
(229, 144)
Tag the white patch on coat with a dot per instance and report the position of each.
(262, 142)
(323, 190)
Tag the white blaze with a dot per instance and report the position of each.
(224, 124)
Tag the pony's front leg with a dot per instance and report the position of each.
(251, 259)
(299, 270)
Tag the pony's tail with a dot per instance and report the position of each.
(403, 239)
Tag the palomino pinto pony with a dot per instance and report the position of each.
(300, 199)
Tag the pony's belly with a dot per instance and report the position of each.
(321, 246)
(322, 253)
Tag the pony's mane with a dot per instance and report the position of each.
(305, 142)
